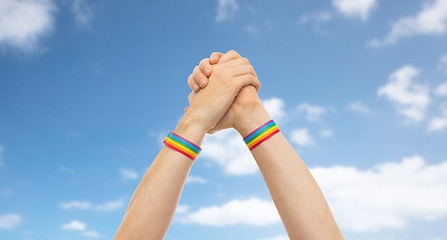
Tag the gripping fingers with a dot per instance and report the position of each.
(242, 70)
(192, 84)
(247, 79)
(205, 67)
(199, 78)
(235, 62)
(215, 57)
(230, 55)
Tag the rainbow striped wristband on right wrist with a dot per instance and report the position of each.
(262, 133)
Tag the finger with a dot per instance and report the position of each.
(230, 55)
(205, 67)
(186, 109)
(242, 70)
(215, 57)
(240, 62)
(235, 62)
(191, 97)
(247, 79)
(199, 78)
(192, 84)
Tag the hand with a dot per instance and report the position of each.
(210, 105)
(246, 105)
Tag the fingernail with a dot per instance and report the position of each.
(202, 82)
(207, 70)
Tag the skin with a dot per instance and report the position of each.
(228, 99)
(247, 96)
(297, 197)
(153, 203)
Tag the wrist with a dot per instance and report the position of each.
(191, 128)
(251, 118)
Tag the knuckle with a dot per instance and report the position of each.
(233, 54)
(251, 68)
(251, 77)
(204, 62)
(245, 60)
(196, 68)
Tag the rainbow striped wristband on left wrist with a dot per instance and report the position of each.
(182, 145)
(261, 134)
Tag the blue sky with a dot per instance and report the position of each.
(89, 88)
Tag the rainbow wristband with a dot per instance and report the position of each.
(261, 134)
(182, 145)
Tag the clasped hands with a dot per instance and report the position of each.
(225, 94)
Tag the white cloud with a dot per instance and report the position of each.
(195, 179)
(438, 123)
(181, 209)
(388, 195)
(76, 205)
(432, 19)
(226, 9)
(1, 155)
(252, 211)
(24, 22)
(302, 137)
(74, 225)
(441, 90)
(82, 12)
(9, 221)
(109, 206)
(355, 8)
(317, 17)
(326, 133)
(275, 108)
(228, 150)
(91, 234)
(409, 97)
(281, 237)
(128, 174)
(86, 205)
(313, 112)
(358, 106)
(443, 63)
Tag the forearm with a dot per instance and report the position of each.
(154, 202)
(300, 203)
